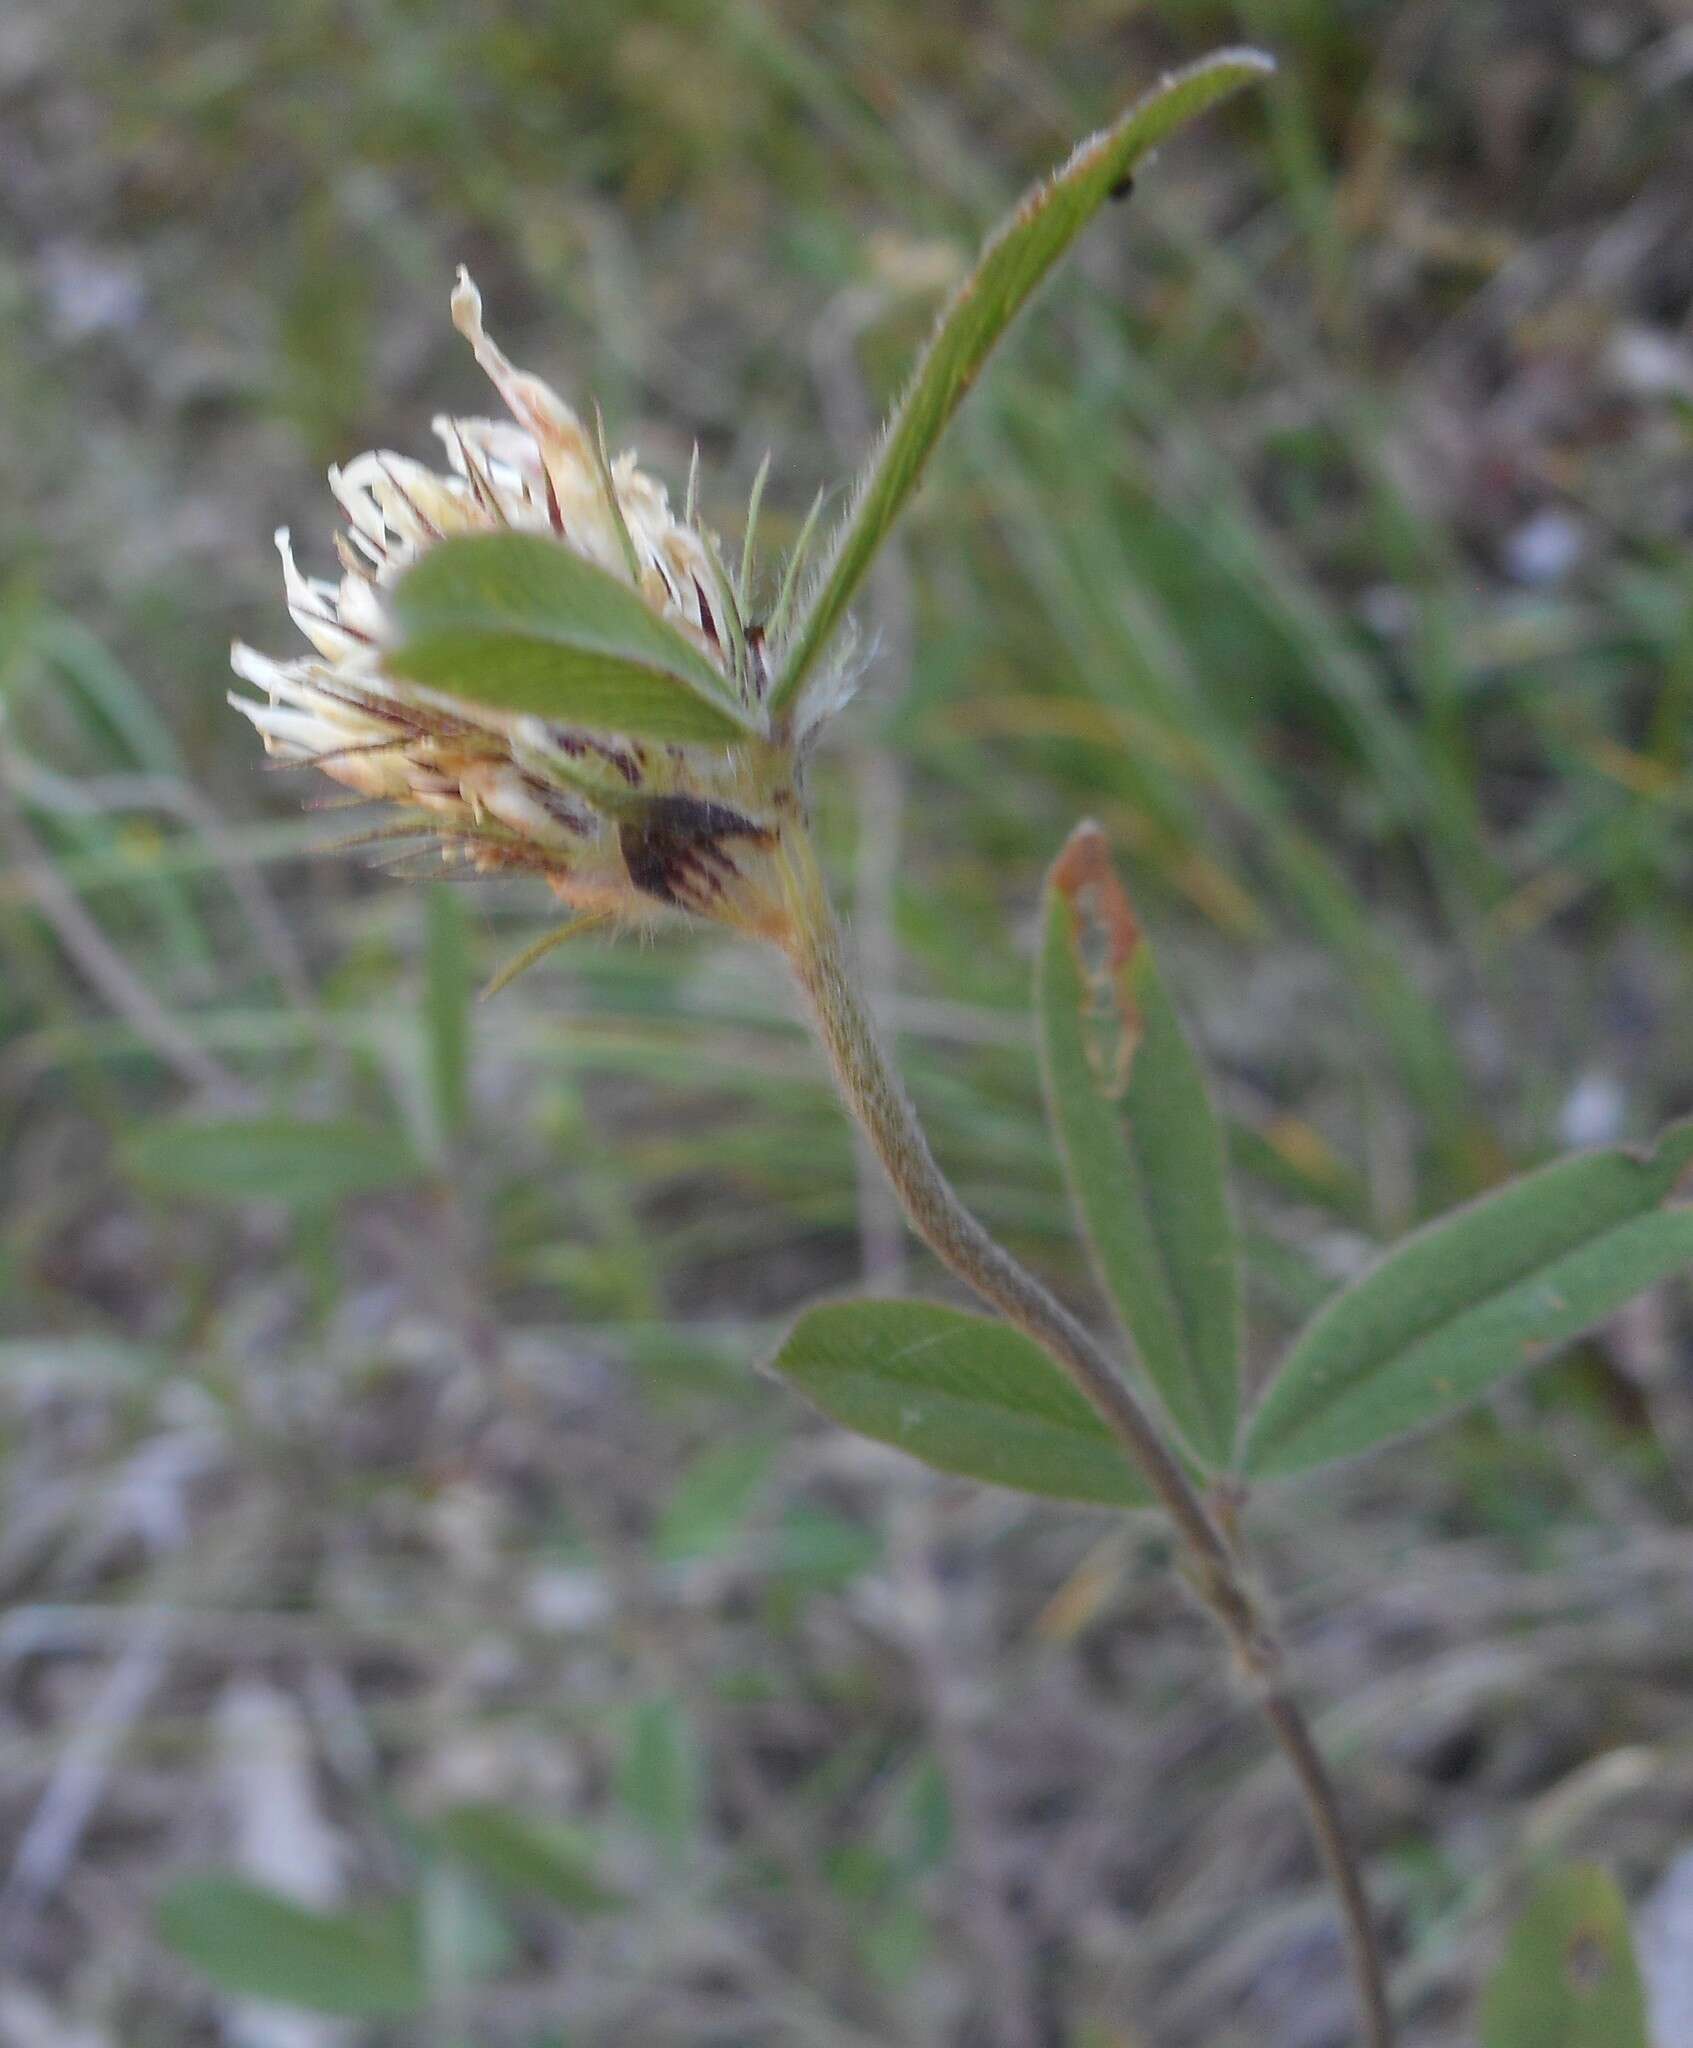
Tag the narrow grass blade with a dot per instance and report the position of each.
(270, 1159)
(446, 1010)
(1154, 631)
(749, 538)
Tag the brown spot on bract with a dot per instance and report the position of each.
(1103, 936)
(676, 850)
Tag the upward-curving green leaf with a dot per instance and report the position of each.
(1475, 1296)
(523, 623)
(1142, 1151)
(1013, 263)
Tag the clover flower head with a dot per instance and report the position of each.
(616, 824)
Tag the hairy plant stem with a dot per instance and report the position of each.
(872, 1091)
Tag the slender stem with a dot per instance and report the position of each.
(1328, 1831)
(874, 1095)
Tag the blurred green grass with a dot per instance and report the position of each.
(1323, 532)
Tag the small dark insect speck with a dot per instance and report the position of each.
(1121, 190)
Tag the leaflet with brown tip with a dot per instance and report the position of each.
(1104, 934)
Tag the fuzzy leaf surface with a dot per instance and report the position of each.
(1013, 264)
(1473, 1297)
(962, 1392)
(1142, 1149)
(521, 623)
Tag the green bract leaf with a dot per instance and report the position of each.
(1142, 1150)
(1012, 265)
(962, 1392)
(523, 623)
(524, 1855)
(254, 1943)
(1569, 1978)
(271, 1159)
(1473, 1297)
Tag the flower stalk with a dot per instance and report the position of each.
(875, 1097)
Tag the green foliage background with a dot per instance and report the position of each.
(1323, 532)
